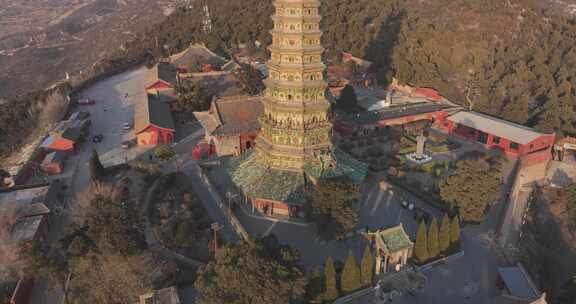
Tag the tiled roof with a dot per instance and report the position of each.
(393, 112)
(251, 174)
(24, 230)
(54, 157)
(166, 72)
(196, 53)
(518, 282)
(506, 299)
(256, 179)
(392, 239)
(232, 115)
(151, 111)
(491, 125)
(342, 164)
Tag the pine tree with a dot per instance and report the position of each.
(350, 280)
(315, 285)
(367, 267)
(96, 167)
(331, 291)
(433, 250)
(348, 99)
(455, 233)
(421, 246)
(444, 236)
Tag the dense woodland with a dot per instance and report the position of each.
(524, 74)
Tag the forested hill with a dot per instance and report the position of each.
(512, 58)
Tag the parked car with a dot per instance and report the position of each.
(97, 138)
(407, 205)
(127, 126)
(86, 101)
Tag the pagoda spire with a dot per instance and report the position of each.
(295, 123)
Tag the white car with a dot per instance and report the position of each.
(127, 126)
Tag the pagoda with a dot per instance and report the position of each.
(293, 150)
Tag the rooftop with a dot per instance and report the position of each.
(517, 133)
(340, 164)
(166, 72)
(167, 295)
(256, 179)
(24, 230)
(392, 239)
(152, 111)
(518, 282)
(25, 196)
(232, 115)
(394, 111)
(196, 53)
(373, 99)
(251, 174)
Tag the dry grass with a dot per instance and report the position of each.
(81, 209)
(10, 262)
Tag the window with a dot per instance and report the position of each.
(496, 140)
(531, 147)
(514, 146)
(482, 137)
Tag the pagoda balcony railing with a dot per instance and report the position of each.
(292, 150)
(296, 47)
(296, 31)
(296, 106)
(296, 83)
(282, 126)
(304, 66)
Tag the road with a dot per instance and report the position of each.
(108, 115)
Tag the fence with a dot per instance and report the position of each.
(225, 209)
(353, 296)
(443, 260)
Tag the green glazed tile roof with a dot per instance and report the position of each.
(256, 179)
(393, 239)
(251, 174)
(342, 164)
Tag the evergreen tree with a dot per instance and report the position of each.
(421, 246)
(472, 188)
(96, 168)
(348, 100)
(350, 280)
(315, 286)
(444, 236)
(331, 291)
(455, 232)
(367, 267)
(433, 248)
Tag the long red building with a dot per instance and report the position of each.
(494, 133)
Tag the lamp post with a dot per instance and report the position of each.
(230, 196)
(216, 227)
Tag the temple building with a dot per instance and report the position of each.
(393, 248)
(294, 147)
(231, 124)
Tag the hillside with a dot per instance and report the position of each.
(42, 40)
(524, 73)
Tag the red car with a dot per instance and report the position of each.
(86, 101)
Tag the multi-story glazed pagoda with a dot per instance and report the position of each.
(293, 149)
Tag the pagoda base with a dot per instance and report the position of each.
(282, 193)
